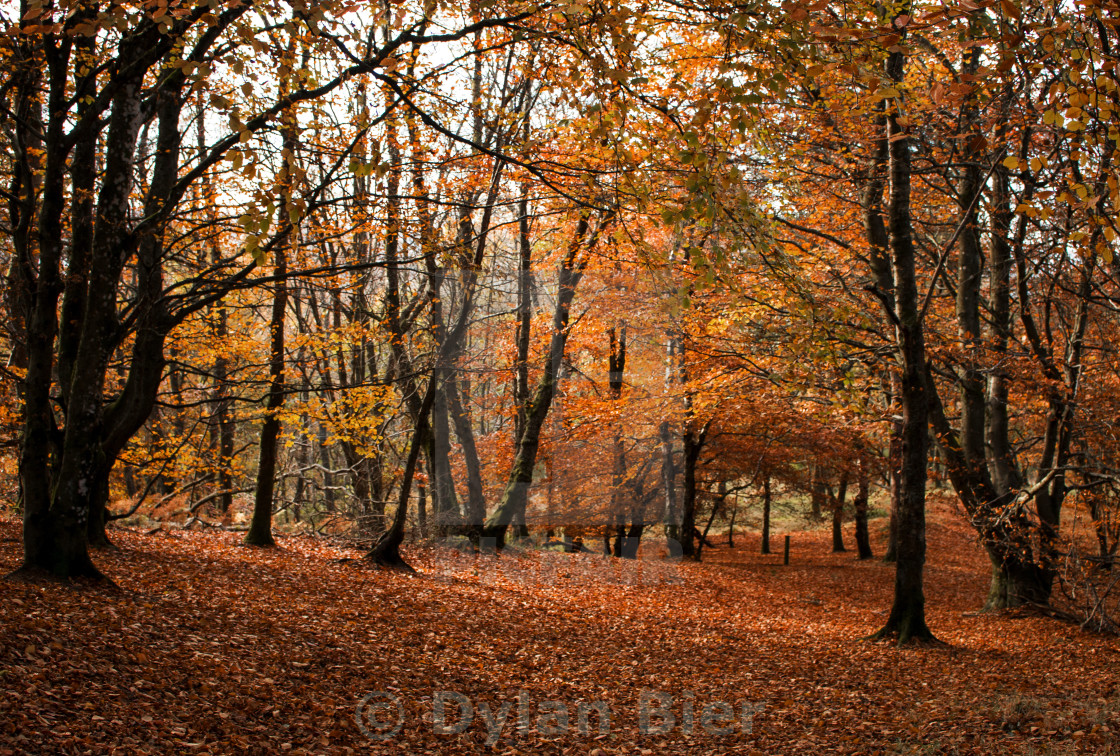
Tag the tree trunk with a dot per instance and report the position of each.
(524, 313)
(386, 551)
(615, 372)
(222, 427)
(693, 444)
(816, 492)
(766, 515)
(328, 476)
(99, 517)
(64, 473)
(669, 486)
(476, 500)
(445, 504)
(878, 239)
(838, 516)
(260, 527)
(1017, 583)
(516, 494)
(895, 478)
(717, 505)
(634, 535)
(907, 617)
(863, 540)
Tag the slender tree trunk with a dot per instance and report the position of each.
(970, 380)
(907, 617)
(222, 425)
(516, 494)
(766, 515)
(863, 540)
(717, 505)
(693, 445)
(476, 500)
(260, 527)
(838, 515)
(524, 314)
(445, 504)
(615, 375)
(669, 486)
(668, 468)
(634, 534)
(386, 551)
(878, 240)
(328, 466)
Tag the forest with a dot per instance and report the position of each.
(744, 371)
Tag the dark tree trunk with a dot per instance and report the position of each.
(516, 494)
(895, 479)
(863, 540)
(75, 122)
(222, 427)
(907, 617)
(524, 314)
(445, 504)
(717, 507)
(328, 476)
(669, 486)
(838, 516)
(615, 373)
(99, 517)
(476, 500)
(693, 445)
(878, 239)
(766, 515)
(260, 527)
(1002, 464)
(64, 472)
(633, 536)
(1017, 582)
(386, 552)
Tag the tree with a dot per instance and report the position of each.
(90, 279)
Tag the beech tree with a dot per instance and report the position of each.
(91, 275)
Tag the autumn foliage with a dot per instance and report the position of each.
(570, 280)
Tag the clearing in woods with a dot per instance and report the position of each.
(211, 647)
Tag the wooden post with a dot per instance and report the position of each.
(785, 559)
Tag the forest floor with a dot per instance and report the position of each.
(210, 647)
